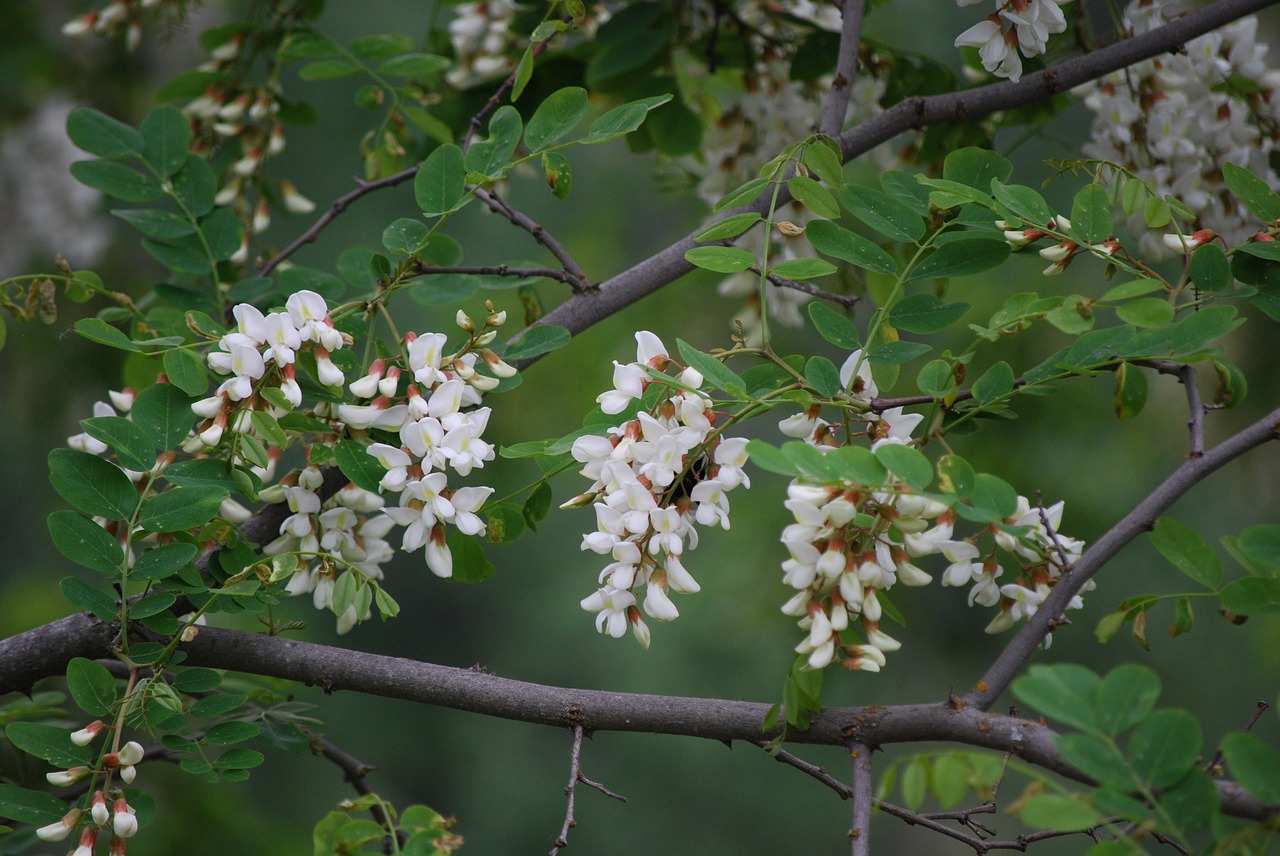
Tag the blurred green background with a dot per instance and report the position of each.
(503, 780)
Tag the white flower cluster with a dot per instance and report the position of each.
(262, 352)
(1016, 29)
(849, 542)
(246, 115)
(113, 813)
(484, 44)
(1175, 120)
(653, 477)
(120, 16)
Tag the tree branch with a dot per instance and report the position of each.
(421, 269)
(668, 265)
(1133, 524)
(499, 205)
(837, 103)
(860, 832)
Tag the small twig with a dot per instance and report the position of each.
(1215, 766)
(499, 206)
(492, 103)
(355, 772)
(1186, 375)
(863, 799)
(571, 789)
(848, 301)
(837, 104)
(808, 769)
(421, 269)
(1063, 562)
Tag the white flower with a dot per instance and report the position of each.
(610, 606)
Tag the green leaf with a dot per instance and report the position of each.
(741, 195)
(405, 236)
(555, 117)
(1187, 551)
(102, 136)
(328, 69)
(156, 223)
(47, 742)
(1253, 764)
(181, 508)
(803, 269)
(538, 340)
(1210, 269)
(1147, 312)
(857, 465)
(936, 379)
(729, 227)
(1023, 202)
(1251, 595)
(201, 472)
(960, 258)
(896, 353)
(716, 372)
(182, 257)
(720, 259)
(223, 233)
(1097, 758)
(771, 459)
(537, 505)
(216, 705)
(97, 330)
(823, 376)
(117, 180)
(269, 429)
(1131, 391)
(558, 174)
(86, 597)
(834, 327)
(34, 807)
(85, 542)
(166, 136)
(440, 185)
(1156, 213)
(358, 465)
(955, 476)
(1260, 545)
(1164, 747)
(1126, 290)
(1064, 692)
(444, 289)
(924, 313)
(628, 53)
(94, 486)
(976, 167)
(163, 411)
(91, 686)
(235, 731)
(950, 780)
(196, 186)
(186, 370)
(504, 523)
(995, 383)
(1203, 327)
(880, 211)
(158, 563)
(1091, 219)
(469, 562)
(1065, 814)
(831, 239)
(244, 759)
(414, 65)
(907, 463)
(1261, 200)
(1184, 617)
(813, 196)
(915, 783)
(822, 157)
(1192, 803)
(1126, 696)
(621, 120)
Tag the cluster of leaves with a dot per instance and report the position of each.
(1146, 762)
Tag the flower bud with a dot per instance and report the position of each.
(86, 735)
(98, 808)
(464, 322)
(63, 778)
(61, 829)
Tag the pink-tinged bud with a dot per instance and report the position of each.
(87, 839)
(116, 846)
(387, 386)
(496, 365)
(483, 383)
(638, 628)
(60, 830)
(1061, 252)
(367, 386)
(1187, 243)
(241, 255)
(439, 559)
(128, 774)
(228, 50)
(207, 408)
(496, 319)
(63, 778)
(248, 164)
(295, 202)
(464, 322)
(80, 26)
(261, 217)
(275, 143)
(1057, 267)
(86, 735)
(329, 374)
(124, 821)
(122, 400)
(98, 808)
(234, 109)
(1062, 224)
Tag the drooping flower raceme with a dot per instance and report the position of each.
(1176, 120)
(850, 542)
(654, 477)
